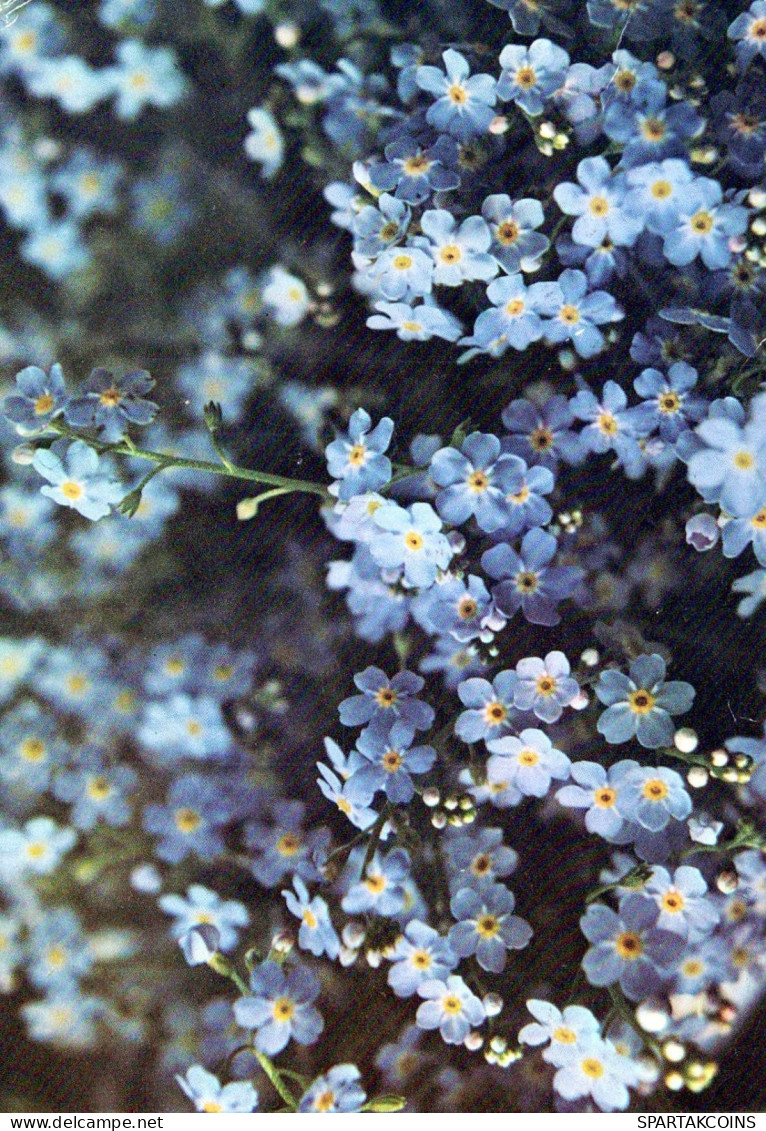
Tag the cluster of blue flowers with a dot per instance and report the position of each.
(568, 189)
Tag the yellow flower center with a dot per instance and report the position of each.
(487, 926)
(56, 957)
(540, 439)
(110, 397)
(653, 129)
(450, 254)
(744, 460)
(288, 844)
(507, 232)
(421, 960)
(604, 798)
(43, 404)
(77, 684)
(481, 864)
(673, 902)
(412, 327)
(520, 497)
(385, 697)
(629, 946)
(759, 520)
(526, 581)
(416, 166)
(309, 918)
(546, 685)
(564, 1036)
(98, 788)
(451, 1004)
(478, 481)
(389, 231)
(391, 761)
(211, 1107)
(641, 701)
(599, 205)
(514, 307)
(283, 1009)
(467, 608)
(413, 541)
(187, 820)
(607, 424)
(36, 850)
(402, 262)
(495, 713)
(71, 490)
(32, 750)
(375, 883)
(757, 30)
(702, 223)
(661, 190)
(457, 94)
(692, 967)
(528, 757)
(569, 314)
(325, 1102)
(526, 77)
(625, 81)
(655, 790)
(592, 1067)
(669, 403)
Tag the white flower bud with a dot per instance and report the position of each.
(686, 740)
(431, 796)
(473, 1041)
(287, 35)
(493, 1004)
(590, 657)
(652, 1016)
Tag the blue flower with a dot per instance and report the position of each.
(357, 460)
(338, 1090)
(460, 254)
(628, 948)
(748, 30)
(316, 932)
(264, 143)
(464, 105)
(475, 481)
(599, 205)
(673, 407)
(110, 403)
(490, 707)
(531, 74)
(384, 701)
(527, 579)
(597, 1070)
(382, 886)
(741, 532)
(527, 762)
(611, 425)
(32, 747)
(208, 1094)
(486, 926)
(389, 761)
(39, 399)
(515, 319)
(415, 323)
(650, 130)
(545, 687)
(420, 954)
(457, 607)
(566, 1031)
(279, 1007)
(203, 907)
(579, 314)
(656, 191)
(540, 434)
(404, 272)
(144, 76)
(682, 901)
(376, 229)
(38, 847)
(411, 539)
(337, 791)
(191, 820)
(412, 172)
(704, 226)
(596, 792)
(78, 478)
(477, 858)
(97, 792)
(730, 468)
(642, 703)
(59, 952)
(279, 845)
(652, 796)
(185, 726)
(449, 1007)
(515, 243)
(754, 584)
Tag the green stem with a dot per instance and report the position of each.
(623, 1010)
(375, 832)
(272, 1072)
(167, 460)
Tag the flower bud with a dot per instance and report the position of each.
(431, 796)
(686, 740)
(652, 1016)
(493, 1004)
(473, 1041)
